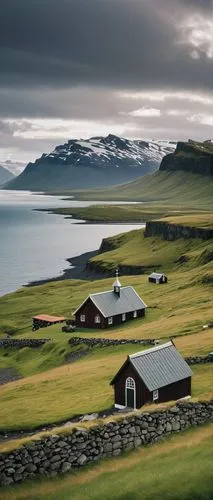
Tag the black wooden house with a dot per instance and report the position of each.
(158, 374)
(110, 308)
(158, 278)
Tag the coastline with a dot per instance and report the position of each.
(77, 271)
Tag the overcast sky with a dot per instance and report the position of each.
(78, 68)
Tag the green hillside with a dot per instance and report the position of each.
(134, 251)
(182, 189)
(178, 309)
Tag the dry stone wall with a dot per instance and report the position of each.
(19, 343)
(99, 342)
(199, 360)
(66, 453)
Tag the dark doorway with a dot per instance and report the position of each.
(130, 398)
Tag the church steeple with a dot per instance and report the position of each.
(117, 285)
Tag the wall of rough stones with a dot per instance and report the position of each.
(99, 342)
(59, 454)
(199, 360)
(18, 343)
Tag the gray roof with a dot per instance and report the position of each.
(156, 275)
(160, 366)
(110, 304)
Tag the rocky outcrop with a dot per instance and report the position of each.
(190, 156)
(171, 232)
(100, 267)
(19, 343)
(59, 454)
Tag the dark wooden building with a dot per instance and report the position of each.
(111, 308)
(158, 374)
(43, 320)
(158, 278)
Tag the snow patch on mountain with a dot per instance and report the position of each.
(113, 146)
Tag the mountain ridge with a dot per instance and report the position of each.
(5, 175)
(98, 161)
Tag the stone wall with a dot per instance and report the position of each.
(59, 454)
(18, 343)
(199, 360)
(97, 342)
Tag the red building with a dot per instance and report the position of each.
(158, 374)
(111, 308)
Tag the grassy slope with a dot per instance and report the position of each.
(178, 468)
(179, 308)
(135, 250)
(201, 220)
(80, 387)
(167, 189)
(139, 212)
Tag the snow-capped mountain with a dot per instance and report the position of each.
(5, 175)
(15, 167)
(98, 161)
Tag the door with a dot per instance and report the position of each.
(130, 393)
(130, 398)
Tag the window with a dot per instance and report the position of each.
(110, 320)
(82, 318)
(124, 317)
(135, 314)
(97, 319)
(130, 383)
(155, 395)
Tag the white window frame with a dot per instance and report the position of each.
(110, 320)
(155, 395)
(130, 384)
(135, 314)
(82, 318)
(124, 317)
(97, 319)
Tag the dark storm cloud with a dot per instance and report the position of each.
(125, 43)
(197, 4)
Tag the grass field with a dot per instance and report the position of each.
(132, 249)
(139, 212)
(179, 468)
(52, 391)
(182, 189)
(80, 388)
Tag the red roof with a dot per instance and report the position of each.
(48, 318)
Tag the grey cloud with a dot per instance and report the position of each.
(97, 42)
(69, 58)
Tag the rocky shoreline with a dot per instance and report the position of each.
(77, 270)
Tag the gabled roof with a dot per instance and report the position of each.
(111, 304)
(156, 275)
(159, 366)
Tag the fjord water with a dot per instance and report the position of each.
(35, 245)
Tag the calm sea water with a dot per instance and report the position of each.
(35, 245)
